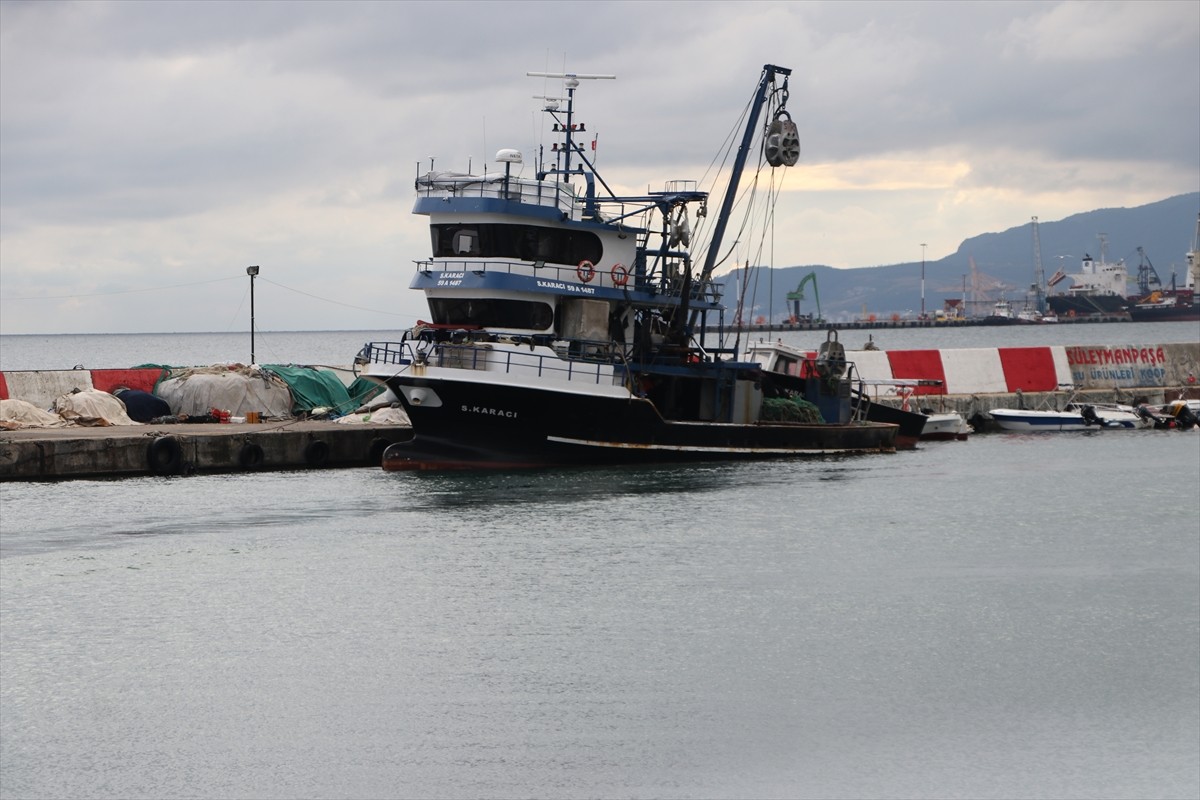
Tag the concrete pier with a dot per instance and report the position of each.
(126, 451)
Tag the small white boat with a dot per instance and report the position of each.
(940, 426)
(945, 426)
(1073, 417)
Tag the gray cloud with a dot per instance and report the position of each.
(145, 143)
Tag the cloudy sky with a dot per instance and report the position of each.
(150, 151)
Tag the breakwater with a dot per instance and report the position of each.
(973, 381)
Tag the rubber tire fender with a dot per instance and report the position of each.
(250, 456)
(316, 454)
(164, 455)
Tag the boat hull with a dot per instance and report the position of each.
(945, 428)
(1084, 304)
(999, 320)
(1025, 421)
(463, 424)
(910, 425)
(1165, 313)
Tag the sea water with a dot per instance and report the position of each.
(1011, 616)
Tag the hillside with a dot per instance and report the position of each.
(1004, 263)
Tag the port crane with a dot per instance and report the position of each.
(1147, 278)
(1039, 274)
(795, 297)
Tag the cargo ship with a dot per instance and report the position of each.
(1098, 288)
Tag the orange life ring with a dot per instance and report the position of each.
(620, 275)
(586, 271)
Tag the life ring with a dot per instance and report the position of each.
(586, 271)
(316, 454)
(620, 275)
(165, 455)
(250, 456)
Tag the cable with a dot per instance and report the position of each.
(335, 302)
(122, 291)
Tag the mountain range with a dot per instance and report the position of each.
(1003, 266)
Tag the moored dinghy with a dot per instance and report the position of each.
(569, 325)
(1073, 417)
(945, 426)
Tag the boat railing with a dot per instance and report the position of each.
(563, 273)
(589, 362)
(553, 194)
(708, 292)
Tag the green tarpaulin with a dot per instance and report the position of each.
(314, 388)
(362, 391)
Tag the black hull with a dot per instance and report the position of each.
(1082, 305)
(909, 423)
(503, 426)
(1172, 314)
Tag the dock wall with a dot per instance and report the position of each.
(62, 453)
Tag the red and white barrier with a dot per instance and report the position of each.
(1000, 370)
(984, 370)
(42, 388)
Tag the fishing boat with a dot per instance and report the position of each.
(572, 325)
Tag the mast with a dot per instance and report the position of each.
(739, 164)
(922, 280)
(570, 128)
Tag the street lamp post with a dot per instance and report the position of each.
(922, 280)
(252, 272)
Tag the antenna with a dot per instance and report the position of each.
(576, 76)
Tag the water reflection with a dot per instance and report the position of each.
(561, 486)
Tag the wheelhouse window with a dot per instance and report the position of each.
(523, 242)
(466, 243)
(491, 313)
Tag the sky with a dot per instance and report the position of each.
(151, 151)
